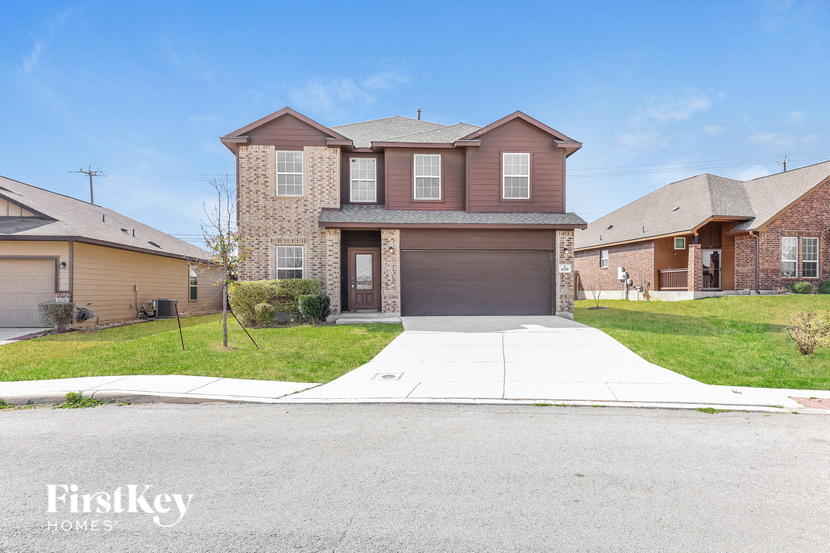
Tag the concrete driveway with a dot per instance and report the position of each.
(545, 358)
(9, 335)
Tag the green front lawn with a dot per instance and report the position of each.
(294, 354)
(733, 341)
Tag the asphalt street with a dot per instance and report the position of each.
(411, 478)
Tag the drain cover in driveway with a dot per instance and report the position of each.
(387, 376)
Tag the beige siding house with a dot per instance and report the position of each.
(53, 247)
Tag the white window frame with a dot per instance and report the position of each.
(302, 261)
(805, 261)
(191, 275)
(505, 175)
(417, 176)
(605, 259)
(352, 180)
(683, 247)
(786, 260)
(279, 173)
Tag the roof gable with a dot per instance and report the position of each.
(240, 135)
(524, 117)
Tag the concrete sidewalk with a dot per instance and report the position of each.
(500, 360)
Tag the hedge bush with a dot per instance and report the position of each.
(244, 297)
(282, 295)
(265, 313)
(824, 287)
(801, 288)
(315, 307)
(56, 315)
(809, 330)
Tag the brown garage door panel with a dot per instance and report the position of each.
(476, 283)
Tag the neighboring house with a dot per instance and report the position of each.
(709, 235)
(404, 215)
(56, 247)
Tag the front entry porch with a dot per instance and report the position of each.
(702, 262)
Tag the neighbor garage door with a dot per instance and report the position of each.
(24, 283)
(476, 282)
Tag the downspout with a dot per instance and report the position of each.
(757, 261)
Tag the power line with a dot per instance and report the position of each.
(91, 174)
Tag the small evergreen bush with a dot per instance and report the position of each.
(824, 287)
(315, 307)
(56, 315)
(809, 330)
(801, 288)
(245, 296)
(289, 292)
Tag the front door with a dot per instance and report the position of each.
(364, 279)
(711, 269)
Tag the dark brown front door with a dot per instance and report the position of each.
(364, 278)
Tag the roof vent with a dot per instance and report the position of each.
(125, 231)
(154, 244)
(675, 208)
(609, 227)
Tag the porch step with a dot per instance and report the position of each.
(364, 318)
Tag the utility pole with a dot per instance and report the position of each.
(784, 163)
(91, 174)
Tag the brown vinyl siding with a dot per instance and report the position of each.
(400, 180)
(422, 239)
(104, 281)
(287, 132)
(345, 177)
(547, 170)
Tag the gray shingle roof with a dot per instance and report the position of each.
(350, 213)
(402, 129)
(69, 217)
(699, 198)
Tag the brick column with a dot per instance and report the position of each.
(695, 265)
(564, 281)
(390, 270)
(332, 289)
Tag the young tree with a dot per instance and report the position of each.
(226, 244)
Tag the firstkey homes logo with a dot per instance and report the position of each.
(167, 510)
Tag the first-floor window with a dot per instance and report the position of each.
(789, 257)
(363, 180)
(289, 262)
(193, 283)
(680, 243)
(809, 257)
(603, 258)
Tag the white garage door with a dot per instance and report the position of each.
(24, 283)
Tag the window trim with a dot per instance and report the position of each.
(502, 195)
(415, 178)
(795, 261)
(277, 174)
(302, 259)
(816, 261)
(676, 238)
(352, 181)
(601, 266)
(191, 287)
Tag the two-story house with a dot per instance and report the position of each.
(404, 215)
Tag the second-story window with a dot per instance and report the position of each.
(289, 173)
(427, 177)
(516, 176)
(363, 179)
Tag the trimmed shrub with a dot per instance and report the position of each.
(315, 307)
(282, 295)
(809, 330)
(289, 292)
(265, 314)
(56, 315)
(245, 296)
(824, 287)
(801, 288)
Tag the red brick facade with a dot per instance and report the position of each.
(637, 258)
(807, 218)
(270, 221)
(695, 266)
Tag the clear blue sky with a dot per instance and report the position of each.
(665, 90)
